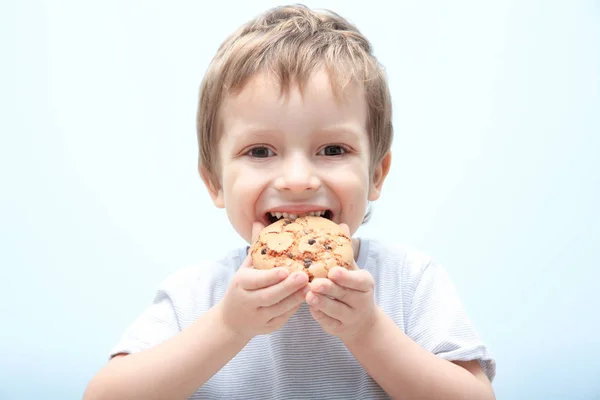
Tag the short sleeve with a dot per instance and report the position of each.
(437, 321)
(157, 323)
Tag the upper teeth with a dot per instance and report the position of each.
(279, 215)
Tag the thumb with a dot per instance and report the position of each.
(247, 263)
(256, 228)
(345, 228)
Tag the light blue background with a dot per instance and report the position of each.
(495, 174)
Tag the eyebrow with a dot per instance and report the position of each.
(346, 130)
(342, 128)
(254, 132)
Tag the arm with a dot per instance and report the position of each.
(256, 302)
(174, 369)
(405, 370)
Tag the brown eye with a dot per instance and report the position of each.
(332, 150)
(261, 152)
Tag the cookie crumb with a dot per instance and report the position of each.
(311, 241)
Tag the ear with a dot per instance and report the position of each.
(379, 174)
(212, 184)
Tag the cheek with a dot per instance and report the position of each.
(240, 196)
(242, 187)
(351, 186)
(353, 181)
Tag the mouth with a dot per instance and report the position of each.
(276, 216)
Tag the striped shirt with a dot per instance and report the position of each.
(300, 360)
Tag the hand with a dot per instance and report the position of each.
(261, 301)
(343, 303)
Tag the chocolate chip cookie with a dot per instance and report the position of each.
(310, 244)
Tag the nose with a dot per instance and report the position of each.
(298, 174)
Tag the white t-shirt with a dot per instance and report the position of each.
(300, 360)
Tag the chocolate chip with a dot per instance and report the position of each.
(327, 247)
(311, 241)
(307, 262)
(290, 255)
(263, 251)
(287, 222)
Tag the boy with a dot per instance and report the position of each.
(295, 118)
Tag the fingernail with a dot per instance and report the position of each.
(299, 278)
(336, 274)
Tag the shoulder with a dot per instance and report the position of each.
(386, 258)
(202, 278)
(180, 299)
(397, 270)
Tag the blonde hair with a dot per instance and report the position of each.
(291, 42)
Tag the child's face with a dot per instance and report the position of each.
(295, 154)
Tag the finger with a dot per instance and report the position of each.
(281, 319)
(360, 280)
(331, 307)
(256, 279)
(345, 228)
(247, 263)
(274, 294)
(285, 305)
(325, 320)
(256, 228)
(329, 288)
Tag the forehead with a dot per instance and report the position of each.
(262, 103)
